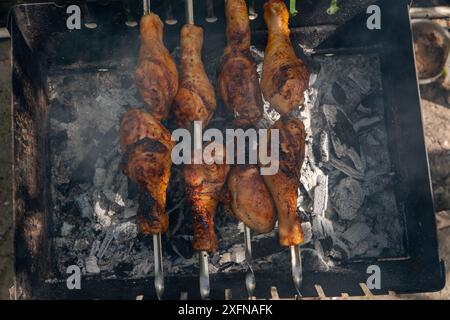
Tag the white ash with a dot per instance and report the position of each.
(66, 229)
(353, 154)
(92, 265)
(345, 122)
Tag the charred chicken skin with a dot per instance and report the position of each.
(195, 100)
(137, 124)
(251, 201)
(156, 75)
(285, 183)
(284, 77)
(146, 158)
(238, 79)
(204, 188)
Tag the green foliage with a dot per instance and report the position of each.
(333, 7)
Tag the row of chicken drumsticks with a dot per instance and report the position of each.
(146, 145)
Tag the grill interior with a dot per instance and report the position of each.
(72, 202)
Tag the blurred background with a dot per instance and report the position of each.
(432, 46)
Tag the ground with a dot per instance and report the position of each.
(436, 116)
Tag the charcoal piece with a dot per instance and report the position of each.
(126, 231)
(105, 244)
(101, 211)
(99, 177)
(322, 227)
(100, 163)
(371, 141)
(361, 81)
(378, 182)
(324, 146)
(182, 246)
(365, 123)
(84, 206)
(81, 245)
(321, 195)
(373, 101)
(114, 197)
(347, 198)
(143, 268)
(67, 80)
(308, 177)
(344, 139)
(58, 141)
(307, 232)
(225, 258)
(123, 268)
(94, 248)
(129, 212)
(363, 110)
(356, 234)
(66, 229)
(63, 112)
(237, 253)
(92, 265)
(346, 169)
(215, 258)
(338, 93)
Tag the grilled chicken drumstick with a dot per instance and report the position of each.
(156, 75)
(284, 77)
(204, 183)
(251, 201)
(285, 183)
(195, 100)
(146, 149)
(238, 79)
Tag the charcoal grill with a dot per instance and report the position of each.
(40, 40)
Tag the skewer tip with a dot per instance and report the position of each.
(204, 275)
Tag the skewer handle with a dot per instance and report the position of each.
(204, 274)
(159, 270)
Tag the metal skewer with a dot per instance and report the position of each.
(159, 270)
(157, 245)
(250, 281)
(146, 6)
(252, 15)
(210, 16)
(296, 267)
(203, 260)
